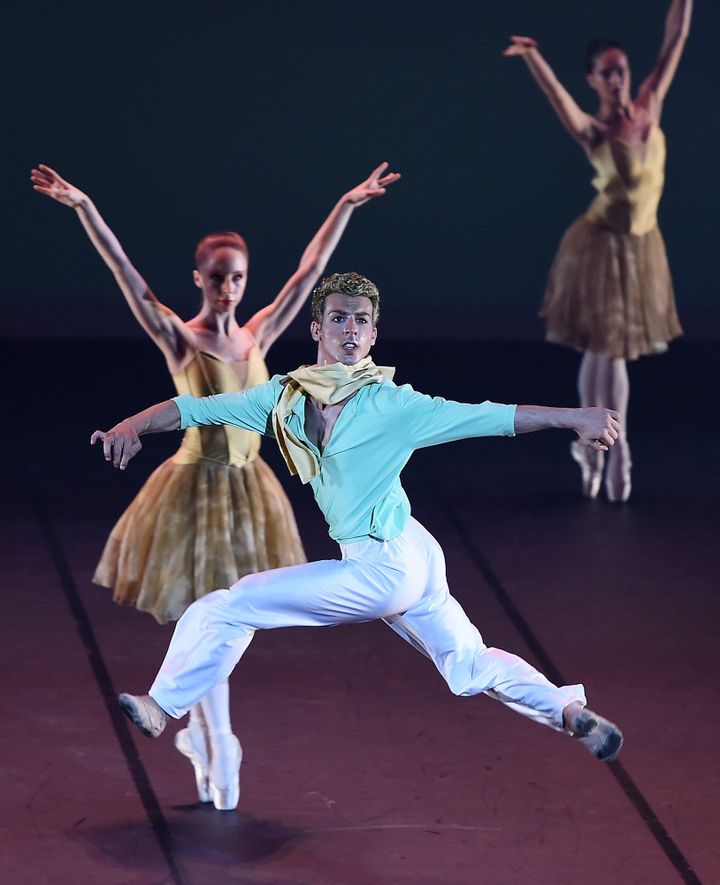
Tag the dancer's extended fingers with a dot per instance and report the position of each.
(118, 447)
(107, 446)
(607, 438)
(49, 171)
(376, 173)
(127, 453)
(519, 46)
(388, 179)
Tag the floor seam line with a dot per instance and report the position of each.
(108, 693)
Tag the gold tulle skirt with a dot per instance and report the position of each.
(194, 528)
(610, 292)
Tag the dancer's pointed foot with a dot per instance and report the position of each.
(618, 484)
(224, 779)
(603, 739)
(591, 467)
(192, 743)
(145, 713)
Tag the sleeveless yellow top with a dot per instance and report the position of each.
(206, 375)
(629, 180)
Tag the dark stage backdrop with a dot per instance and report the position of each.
(180, 118)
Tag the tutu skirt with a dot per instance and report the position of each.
(194, 528)
(610, 292)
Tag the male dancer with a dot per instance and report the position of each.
(348, 430)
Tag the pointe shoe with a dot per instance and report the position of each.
(603, 739)
(591, 467)
(618, 484)
(192, 743)
(225, 794)
(145, 713)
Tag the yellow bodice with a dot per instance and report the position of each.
(629, 180)
(206, 375)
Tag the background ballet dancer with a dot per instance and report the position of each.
(214, 511)
(609, 292)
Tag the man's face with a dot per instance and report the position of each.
(347, 332)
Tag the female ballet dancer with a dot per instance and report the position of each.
(214, 512)
(609, 293)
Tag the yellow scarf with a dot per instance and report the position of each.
(327, 385)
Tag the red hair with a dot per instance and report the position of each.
(221, 239)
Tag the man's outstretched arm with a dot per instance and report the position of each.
(122, 442)
(249, 409)
(596, 427)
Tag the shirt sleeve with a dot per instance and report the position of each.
(431, 420)
(249, 409)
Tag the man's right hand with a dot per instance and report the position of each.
(120, 443)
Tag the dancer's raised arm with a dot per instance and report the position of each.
(576, 121)
(163, 326)
(271, 321)
(677, 28)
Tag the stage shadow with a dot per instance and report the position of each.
(198, 834)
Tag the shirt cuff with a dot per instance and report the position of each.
(511, 420)
(184, 402)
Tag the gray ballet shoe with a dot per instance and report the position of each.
(192, 743)
(602, 738)
(145, 713)
(591, 465)
(226, 798)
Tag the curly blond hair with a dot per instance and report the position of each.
(345, 284)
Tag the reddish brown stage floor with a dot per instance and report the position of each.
(360, 767)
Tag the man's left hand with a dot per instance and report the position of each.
(597, 427)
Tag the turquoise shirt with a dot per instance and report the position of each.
(358, 487)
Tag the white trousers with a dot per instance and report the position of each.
(402, 581)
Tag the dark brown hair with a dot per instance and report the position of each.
(597, 47)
